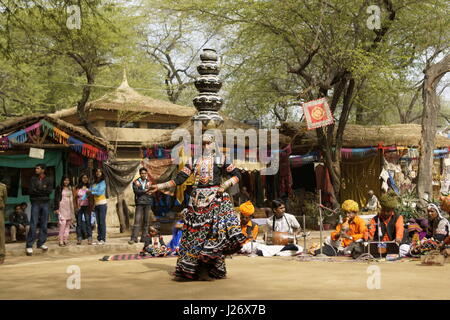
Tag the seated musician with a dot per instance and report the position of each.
(282, 221)
(438, 226)
(247, 225)
(391, 226)
(352, 229)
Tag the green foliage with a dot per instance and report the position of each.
(44, 64)
(407, 206)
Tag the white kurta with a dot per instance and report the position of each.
(284, 224)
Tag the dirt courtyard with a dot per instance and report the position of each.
(45, 277)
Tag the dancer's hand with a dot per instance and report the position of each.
(152, 188)
(220, 191)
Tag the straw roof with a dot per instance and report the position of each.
(125, 98)
(131, 136)
(17, 123)
(357, 136)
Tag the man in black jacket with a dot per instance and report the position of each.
(143, 200)
(41, 187)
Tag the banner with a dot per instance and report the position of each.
(317, 113)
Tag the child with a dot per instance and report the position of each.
(154, 244)
(177, 232)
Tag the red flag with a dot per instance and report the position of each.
(317, 113)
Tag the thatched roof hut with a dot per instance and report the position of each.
(358, 136)
(130, 102)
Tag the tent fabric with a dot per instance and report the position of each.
(323, 183)
(359, 176)
(119, 175)
(51, 159)
(161, 170)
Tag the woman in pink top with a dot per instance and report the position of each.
(64, 208)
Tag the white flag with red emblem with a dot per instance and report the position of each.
(317, 113)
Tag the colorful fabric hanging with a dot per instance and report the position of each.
(102, 155)
(348, 153)
(47, 126)
(34, 129)
(89, 151)
(60, 136)
(75, 144)
(4, 143)
(18, 137)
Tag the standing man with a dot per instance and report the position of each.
(3, 197)
(143, 200)
(41, 187)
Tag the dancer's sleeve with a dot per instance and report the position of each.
(235, 176)
(181, 177)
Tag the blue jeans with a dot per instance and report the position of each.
(39, 212)
(100, 214)
(84, 228)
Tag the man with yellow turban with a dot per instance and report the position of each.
(350, 230)
(249, 228)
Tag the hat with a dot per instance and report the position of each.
(445, 203)
(388, 201)
(247, 208)
(207, 138)
(350, 206)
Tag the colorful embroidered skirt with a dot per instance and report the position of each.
(209, 233)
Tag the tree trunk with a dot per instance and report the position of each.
(431, 109)
(359, 114)
(81, 105)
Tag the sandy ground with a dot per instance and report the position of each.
(45, 277)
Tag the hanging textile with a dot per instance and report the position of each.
(75, 144)
(285, 172)
(358, 177)
(102, 155)
(348, 153)
(75, 159)
(18, 137)
(4, 143)
(89, 151)
(33, 130)
(323, 183)
(60, 136)
(391, 183)
(47, 126)
(119, 175)
(179, 195)
(317, 113)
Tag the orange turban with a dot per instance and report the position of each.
(445, 203)
(247, 208)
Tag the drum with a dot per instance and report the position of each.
(279, 238)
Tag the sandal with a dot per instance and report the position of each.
(62, 244)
